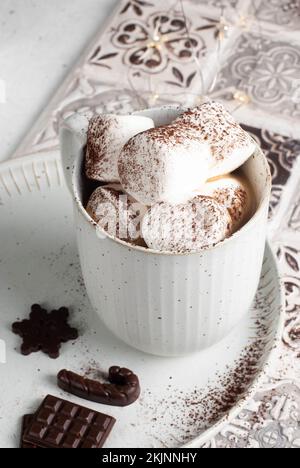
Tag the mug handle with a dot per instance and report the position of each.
(73, 138)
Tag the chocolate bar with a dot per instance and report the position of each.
(123, 389)
(27, 419)
(62, 424)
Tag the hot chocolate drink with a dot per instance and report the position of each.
(180, 186)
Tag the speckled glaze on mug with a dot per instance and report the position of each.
(167, 304)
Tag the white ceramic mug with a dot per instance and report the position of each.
(167, 304)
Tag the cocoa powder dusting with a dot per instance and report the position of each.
(185, 414)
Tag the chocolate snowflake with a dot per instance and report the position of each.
(45, 331)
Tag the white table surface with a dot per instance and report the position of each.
(39, 41)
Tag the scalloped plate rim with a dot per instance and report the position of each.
(206, 435)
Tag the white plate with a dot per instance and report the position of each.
(39, 264)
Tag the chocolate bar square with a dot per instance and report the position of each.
(62, 424)
(27, 419)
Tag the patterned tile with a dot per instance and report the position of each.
(145, 56)
(271, 420)
(218, 3)
(149, 49)
(239, 5)
(266, 70)
(289, 261)
(294, 219)
(282, 153)
(283, 13)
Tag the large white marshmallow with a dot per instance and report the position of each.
(164, 164)
(117, 213)
(235, 193)
(107, 134)
(193, 226)
(231, 146)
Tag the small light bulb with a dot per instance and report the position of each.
(242, 97)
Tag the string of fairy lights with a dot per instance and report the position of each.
(223, 27)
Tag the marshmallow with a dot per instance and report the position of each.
(189, 227)
(164, 164)
(234, 192)
(107, 134)
(231, 146)
(117, 213)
